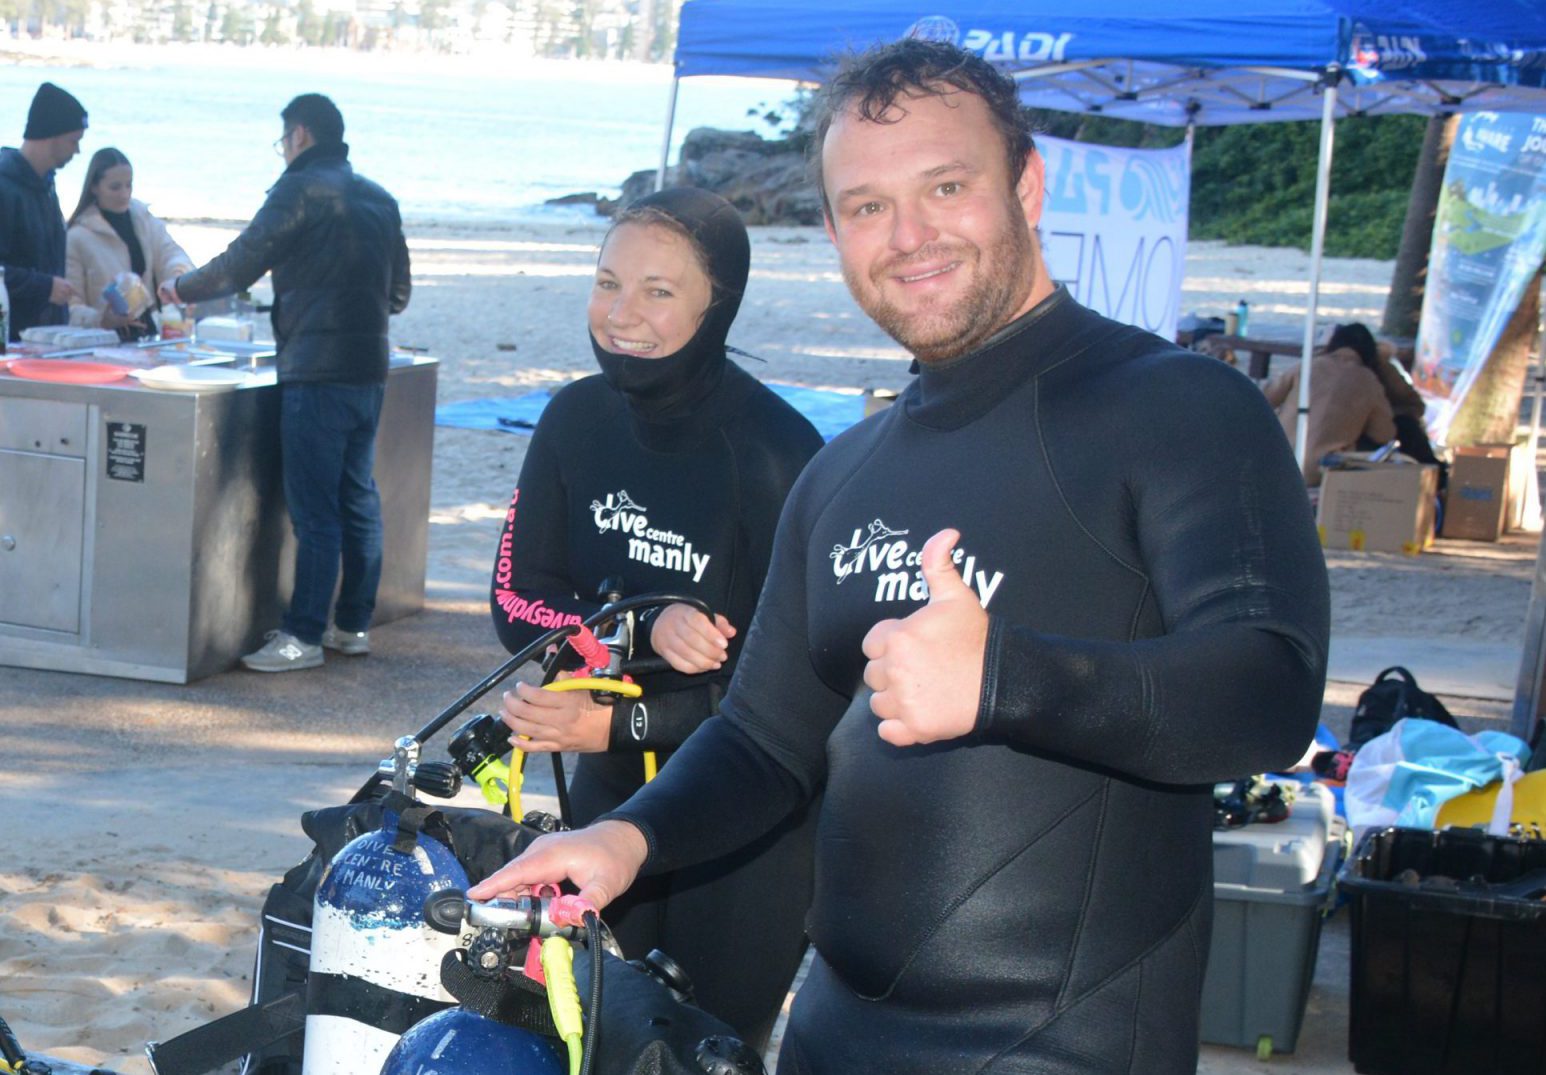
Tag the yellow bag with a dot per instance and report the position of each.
(1475, 807)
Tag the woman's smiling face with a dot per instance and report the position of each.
(650, 292)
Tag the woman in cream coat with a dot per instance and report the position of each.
(111, 233)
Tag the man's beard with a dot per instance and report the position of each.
(1002, 279)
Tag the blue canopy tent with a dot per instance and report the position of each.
(1210, 62)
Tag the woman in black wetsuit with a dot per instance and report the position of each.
(666, 472)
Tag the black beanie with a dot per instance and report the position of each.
(54, 111)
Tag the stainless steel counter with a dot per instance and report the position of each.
(143, 532)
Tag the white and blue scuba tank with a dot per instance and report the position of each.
(375, 963)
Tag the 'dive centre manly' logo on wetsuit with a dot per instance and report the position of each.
(647, 544)
(886, 555)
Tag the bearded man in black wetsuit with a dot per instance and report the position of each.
(1018, 721)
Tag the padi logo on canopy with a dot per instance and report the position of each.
(995, 46)
(1373, 53)
(1029, 47)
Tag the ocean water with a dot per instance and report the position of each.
(463, 142)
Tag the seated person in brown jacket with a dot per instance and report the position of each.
(1347, 404)
(1406, 404)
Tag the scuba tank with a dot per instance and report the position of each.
(460, 1040)
(374, 962)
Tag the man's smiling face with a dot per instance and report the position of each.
(935, 240)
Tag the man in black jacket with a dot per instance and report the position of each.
(334, 241)
(31, 225)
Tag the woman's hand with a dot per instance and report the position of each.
(689, 641)
(556, 721)
(602, 860)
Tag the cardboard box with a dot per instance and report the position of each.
(1476, 502)
(1521, 476)
(1382, 507)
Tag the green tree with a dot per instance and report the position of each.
(273, 33)
(663, 41)
(432, 15)
(308, 28)
(182, 22)
(582, 15)
(236, 26)
(1256, 183)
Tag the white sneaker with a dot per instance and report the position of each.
(349, 643)
(283, 652)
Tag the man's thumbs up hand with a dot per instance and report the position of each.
(926, 670)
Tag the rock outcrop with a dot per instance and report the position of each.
(766, 180)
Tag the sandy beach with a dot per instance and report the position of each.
(147, 821)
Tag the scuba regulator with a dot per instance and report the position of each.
(519, 990)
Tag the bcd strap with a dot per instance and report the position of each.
(230, 1037)
(414, 818)
(347, 997)
(512, 999)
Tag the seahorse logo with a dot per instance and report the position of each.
(618, 503)
(846, 559)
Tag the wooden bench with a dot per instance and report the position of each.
(1262, 350)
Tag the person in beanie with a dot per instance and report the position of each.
(32, 244)
(334, 241)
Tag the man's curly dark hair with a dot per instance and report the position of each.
(870, 82)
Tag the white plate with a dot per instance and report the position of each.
(190, 378)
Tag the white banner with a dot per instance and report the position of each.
(1114, 228)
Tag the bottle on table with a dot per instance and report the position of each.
(1243, 318)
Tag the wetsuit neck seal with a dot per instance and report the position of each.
(955, 392)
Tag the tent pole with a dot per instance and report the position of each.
(1317, 243)
(665, 142)
(1532, 511)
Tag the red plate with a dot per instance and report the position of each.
(67, 371)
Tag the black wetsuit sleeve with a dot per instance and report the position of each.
(1234, 684)
(765, 754)
(263, 243)
(531, 590)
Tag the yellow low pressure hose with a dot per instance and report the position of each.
(588, 683)
(564, 998)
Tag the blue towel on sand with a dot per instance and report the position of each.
(830, 412)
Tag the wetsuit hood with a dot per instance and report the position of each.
(671, 387)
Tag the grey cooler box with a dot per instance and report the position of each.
(1272, 883)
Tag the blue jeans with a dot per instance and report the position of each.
(327, 440)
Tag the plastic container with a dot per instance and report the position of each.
(1272, 885)
(1449, 959)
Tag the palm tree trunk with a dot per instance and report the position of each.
(1489, 414)
(1404, 303)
